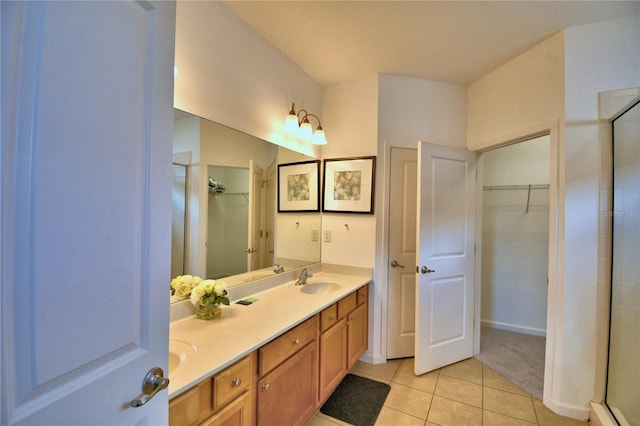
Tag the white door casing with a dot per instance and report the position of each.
(87, 107)
(270, 213)
(255, 249)
(402, 253)
(446, 259)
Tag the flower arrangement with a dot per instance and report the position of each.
(205, 295)
(182, 285)
(209, 292)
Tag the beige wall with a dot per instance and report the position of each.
(522, 94)
(231, 75)
(412, 110)
(559, 81)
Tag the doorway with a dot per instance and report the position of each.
(227, 218)
(515, 261)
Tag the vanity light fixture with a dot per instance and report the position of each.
(298, 122)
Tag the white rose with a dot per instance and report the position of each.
(219, 288)
(183, 290)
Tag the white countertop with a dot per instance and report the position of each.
(220, 342)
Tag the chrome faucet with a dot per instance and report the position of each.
(304, 276)
(278, 269)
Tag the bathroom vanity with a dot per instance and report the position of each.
(274, 361)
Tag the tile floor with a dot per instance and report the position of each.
(465, 393)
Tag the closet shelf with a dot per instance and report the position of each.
(514, 187)
(527, 188)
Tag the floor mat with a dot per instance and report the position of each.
(357, 400)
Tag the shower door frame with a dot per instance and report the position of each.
(631, 105)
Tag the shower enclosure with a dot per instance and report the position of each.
(623, 373)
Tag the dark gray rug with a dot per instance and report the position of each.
(357, 400)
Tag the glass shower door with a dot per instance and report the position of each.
(623, 376)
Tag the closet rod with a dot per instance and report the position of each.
(514, 187)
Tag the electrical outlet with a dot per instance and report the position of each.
(315, 234)
(327, 235)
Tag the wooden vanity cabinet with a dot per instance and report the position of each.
(224, 399)
(284, 381)
(288, 376)
(343, 340)
(357, 327)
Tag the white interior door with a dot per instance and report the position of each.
(87, 107)
(270, 213)
(446, 240)
(255, 217)
(401, 295)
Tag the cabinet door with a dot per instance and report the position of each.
(356, 334)
(287, 395)
(238, 413)
(333, 358)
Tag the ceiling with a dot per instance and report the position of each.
(447, 41)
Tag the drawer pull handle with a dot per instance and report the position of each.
(236, 382)
(332, 317)
(296, 342)
(266, 387)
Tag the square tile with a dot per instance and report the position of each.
(446, 412)
(494, 380)
(384, 371)
(321, 420)
(460, 390)
(409, 401)
(469, 370)
(509, 404)
(406, 376)
(391, 417)
(489, 418)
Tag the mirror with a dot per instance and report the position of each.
(227, 225)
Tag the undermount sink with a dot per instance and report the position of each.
(320, 287)
(180, 354)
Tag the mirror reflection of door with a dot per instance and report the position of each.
(255, 251)
(178, 218)
(227, 218)
(270, 214)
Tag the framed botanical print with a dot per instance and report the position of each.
(349, 185)
(299, 187)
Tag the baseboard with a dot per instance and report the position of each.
(371, 358)
(599, 415)
(515, 328)
(566, 410)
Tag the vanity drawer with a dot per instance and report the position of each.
(281, 348)
(347, 304)
(231, 382)
(328, 317)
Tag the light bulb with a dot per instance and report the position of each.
(306, 132)
(318, 137)
(291, 123)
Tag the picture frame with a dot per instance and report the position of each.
(349, 185)
(299, 187)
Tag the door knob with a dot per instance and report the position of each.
(395, 264)
(426, 270)
(153, 383)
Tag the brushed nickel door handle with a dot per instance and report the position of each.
(395, 264)
(153, 383)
